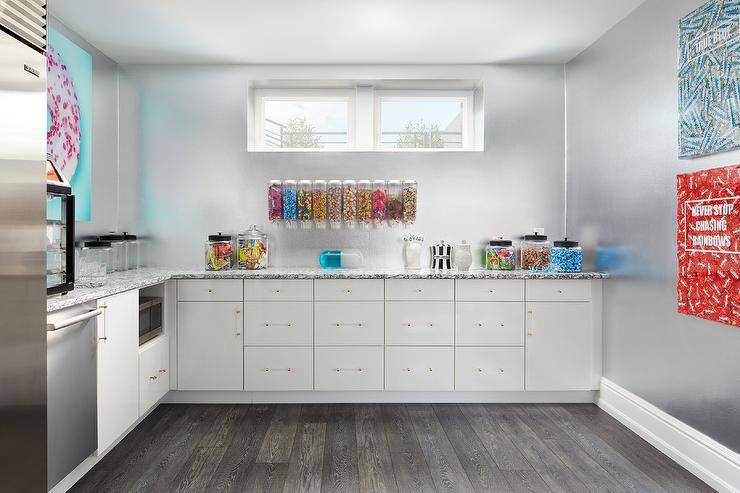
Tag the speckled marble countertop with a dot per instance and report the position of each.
(137, 279)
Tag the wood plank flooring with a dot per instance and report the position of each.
(385, 448)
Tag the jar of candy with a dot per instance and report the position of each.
(349, 203)
(567, 256)
(378, 198)
(364, 203)
(275, 201)
(394, 203)
(536, 251)
(334, 203)
(290, 193)
(500, 255)
(304, 203)
(252, 248)
(219, 252)
(409, 201)
(119, 258)
(319, 203)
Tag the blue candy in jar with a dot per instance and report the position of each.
(567, 256)
(289, 200)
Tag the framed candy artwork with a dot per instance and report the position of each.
(709, 244)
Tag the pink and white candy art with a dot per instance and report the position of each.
(63, 136)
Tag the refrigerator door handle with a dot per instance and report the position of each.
(51, 327)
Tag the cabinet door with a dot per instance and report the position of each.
(559, 346)
(210, 346)
(118, 367)
(154, 376)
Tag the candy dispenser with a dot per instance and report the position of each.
(334, 203)
(319, 203)
(304, 203)
(378, 198)
(394, 203)
(500, 255)
(219, 252)
(364, 202)
(349, 203)
(536, 251)
(289, 202)
(567, 256)
(275, 201)
(409, 201)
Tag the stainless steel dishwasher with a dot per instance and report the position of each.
(71, 388)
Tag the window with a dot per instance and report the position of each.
(366, 118)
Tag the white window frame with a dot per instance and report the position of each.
(304, 95)
(467, 98)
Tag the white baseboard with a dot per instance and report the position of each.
(709, 460)
(313, 396)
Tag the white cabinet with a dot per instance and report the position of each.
(420, 289)
(278, 290)
(349, 368)
(419, 368)
(118, 366)
(210, 290)
(348, 290)
(278, 368)
(489, 324)
(419, 323)
(210, 346)
(487, 368)
(154, 372)
(489, 290)
(559, 346)
(347, 323)
(558, 290)
(280, 323)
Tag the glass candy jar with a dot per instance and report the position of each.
(275, 201)
(409, 201)
(349, 203)
(379, 198)
(304, 203)
(394, 203)
(364, 202)
(567, 256)
(319, 203)
(289, 202)
(334, 203)
(536, 250)
(219, 252)
(252, 248)
(500, 255)
(95, 263)
(119, 259)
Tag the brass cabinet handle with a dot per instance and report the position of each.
(348, 369)
(277, 369)
(358, 324)
(347, 290)
(210, 290)
(277, 290)
(270, 324)
(479, 324)
(479, 370)
(407, 369)
(419, 290)
(163, 370)
(104, 338)
(501, 370)
(153, 377)
(429, 369)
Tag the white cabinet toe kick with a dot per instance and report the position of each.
(393, 340)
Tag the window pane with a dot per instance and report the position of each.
(306, 124)
(421, 124)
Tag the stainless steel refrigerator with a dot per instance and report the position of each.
(22, 245)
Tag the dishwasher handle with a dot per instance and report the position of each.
(51, 327)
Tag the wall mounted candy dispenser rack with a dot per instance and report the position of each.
(348, 203)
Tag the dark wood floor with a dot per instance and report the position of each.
(385, 448)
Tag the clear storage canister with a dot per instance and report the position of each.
(275, 201)
(289, 201)
(364, 202)
(567, 256)
(536, 252)
(133, 256)
(379, 198)
(118, 251)
(500, 255)
(319, 203)
(219, 252)
(409, 201)
(349, 203)
(304, 203)
(394, 203)
(334, 203)
(94, 263)
(252, 249)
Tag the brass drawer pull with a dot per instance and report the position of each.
(153, 377)
(268, 324)
(163, 370)
(349, 369)
(277, 369)
(340, 324)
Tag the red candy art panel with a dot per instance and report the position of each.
(709, 244)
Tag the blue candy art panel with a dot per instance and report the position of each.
(708, 92)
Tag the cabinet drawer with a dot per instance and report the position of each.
(489, 290)
(348, 289)
(420, 289)
(419, 368)
(349, 368)
(489, 324)
(478, 368)
(419, 323)
(278, 290)
(558, 290)
(349, 323)
(154, 374)
(209, 290)
(278, 368)
(278, 323)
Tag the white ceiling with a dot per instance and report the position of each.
(341, 31)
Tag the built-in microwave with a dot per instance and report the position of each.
(150, 318)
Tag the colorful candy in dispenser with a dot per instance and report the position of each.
(364, 202)
(304, 204)
(394, 203)
(275, 201)
(289, 200)
(378, 199)
(319, 203)
(500, 255)
(219, 252)
(409, 201)
(536, 252)
(567, 256)
(349, 202)
(334, 203)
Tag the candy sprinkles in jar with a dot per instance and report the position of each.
(567, 256)
(536, 251)
(364, 203)
(304, 204)
(500, 255)
(289, 202)
(378, 196)
(219, 252)
(409, 201)
(275, 201)
(334, 204)
(319, 203)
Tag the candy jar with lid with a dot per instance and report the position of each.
(394, 203)
(536, 251)
(349, 203)
(412, 246)
(95, 263)
(289, 202)
(275, 201)
(567, 256)
(334, 204)
(409, 201)
(463, 256)
(119, 260)
(219, 252)
(500, 255)
(364, 203)
(304, 204)
(379, 198)
(132, 251)
(252, 248)
(319, 203)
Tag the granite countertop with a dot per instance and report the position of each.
(141, 278)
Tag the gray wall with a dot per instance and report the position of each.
(622, 166)
(197, 177)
